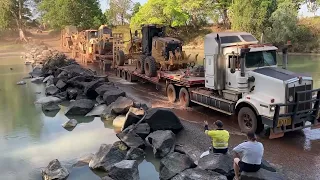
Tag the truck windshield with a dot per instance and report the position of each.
(261, 58)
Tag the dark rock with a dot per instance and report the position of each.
(80, 107)
(198, 174)
(48, 99)
(51, 90)
(163, 119)
(48, 79)
(112, 95)
(193, 152)
(107, 178)
(143, 129)
(162, 142)
(21, 83)
(72, 93)
(55, 171)
(141, 106)
(36, 72)
(125, 170)
(62, 95)
(131, 119)
(105, 87)
(104, 77)
(97, 111)
(76, 70)
(50, 107)
(173, 164)
(37, 80)
(267, 166)
(108, 155)
(135, 154)
(78, 81)
(108, 114)
(262, 174)
(220, 163)
(83, 161)
(90, 87)
(131, 139)
(60, 84)
(63, 75)
(99, 100)
(81, 96)
(70, 124)
(122, 105)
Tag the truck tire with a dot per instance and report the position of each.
(124, 75)
(171, 93)
(140, 64)
(120, 58)
(248, 120)
(150, 67)
(184, 97)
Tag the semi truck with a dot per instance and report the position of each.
(241, 78)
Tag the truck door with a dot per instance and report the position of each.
(231, 76)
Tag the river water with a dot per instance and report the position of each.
(30, 139)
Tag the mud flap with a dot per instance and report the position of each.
(275, 135)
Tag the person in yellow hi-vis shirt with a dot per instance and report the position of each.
(220, 137)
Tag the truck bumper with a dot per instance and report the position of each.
(297, 119)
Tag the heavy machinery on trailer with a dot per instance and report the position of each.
(68, 36)
(84, 46)
(242, 79)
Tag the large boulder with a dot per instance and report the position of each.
(55, 171)
(80, 107)
(97, 110)
(125, 170)
(99, 100)
(61, 84)
(52, 90)
(267, 166)
(136, 111)
(112, 95)
(162, 142)
(122, 105)
(262, 174)
(106, 87)
(118, 122)
(48, 80)
(131, 139)
(36, 72)
(143, 129)
(37, 80)
(76, 70)
(62, 95)
(197, 174)
(48, 99)
(192, 151)
(90, 87)
(173, 164)
(70, 123)
(108, 114)
(108, 155)
(50, 107)
(131, 119)
(163, 119)
(83, 161)
(220, 163)
(135, 154)
(72, 93)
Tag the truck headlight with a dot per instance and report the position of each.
(272, 108)
(290, 99)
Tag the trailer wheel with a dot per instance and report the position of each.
(247, 120)
(130, 77)
(118, 73)
(171, 93)
(124, 75)
(120, 58)
(140, 64)
(184, 97)
(150, 67)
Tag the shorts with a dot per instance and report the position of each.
(223, 151)
(248, 167)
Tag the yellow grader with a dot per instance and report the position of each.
(68, 36)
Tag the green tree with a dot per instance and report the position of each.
(119, 11)
(251, 15)
(135, 8)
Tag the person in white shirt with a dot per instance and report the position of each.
(251, 153)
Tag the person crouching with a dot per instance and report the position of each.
(220, 137)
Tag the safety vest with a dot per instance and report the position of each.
(220, 138)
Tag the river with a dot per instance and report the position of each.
(30, 139)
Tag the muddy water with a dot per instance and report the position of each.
(30, 139)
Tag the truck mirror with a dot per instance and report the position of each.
(244, 51)
(232, 64)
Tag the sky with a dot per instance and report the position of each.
(303, 11)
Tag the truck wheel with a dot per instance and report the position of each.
(140, 64)
(120, 58)
(150, 67)
(184, 97)
(130, 77)
(171, 93)
(247, 119)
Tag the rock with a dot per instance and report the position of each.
(122, 105)
(140, 105)
(125, 170)
(51, 90)
(48, 99)
(99, 100)
(112, 95)
(63, 75)
(136, 111)
(97, 111)
(108, 155)
(81, 96)
(70, 124)
(108, 114)
(72, 93)
(21, 83)
(267, 166)
(197, 174)
(135, 154)
(105, 87)
(80, 107)
(163, 119)
(48, 78)
(76, 70)
(162, 142)
(78, 81)
(107, 178)
(262, 174)
(193, 152)
(131, 139)
(90, 87)
(50, 107)
(37, 80)
(54, 171)
(36, 72)
(62, 95)
(119, 121)
(131, 119)
(60, 84)
(173, 164)
(143, 129)
(83, 161)
(220, 163)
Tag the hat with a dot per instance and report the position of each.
(219, 123)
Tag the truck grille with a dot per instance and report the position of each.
(302, 97)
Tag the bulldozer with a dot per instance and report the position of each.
(156, 52)
(68, 37)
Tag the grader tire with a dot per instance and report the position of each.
(120, 58)
(150, 67)
(140, 64)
